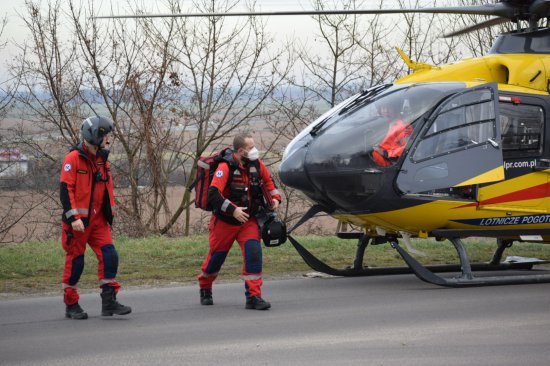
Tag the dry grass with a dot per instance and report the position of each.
(36, 267)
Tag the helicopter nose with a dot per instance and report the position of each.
(292, 170)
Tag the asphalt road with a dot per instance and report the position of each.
(392, 320)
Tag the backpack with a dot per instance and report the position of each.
(206, 166)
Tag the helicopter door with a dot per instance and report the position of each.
(458, 146)
(526, 167)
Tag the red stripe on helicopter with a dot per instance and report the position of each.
(530, 193)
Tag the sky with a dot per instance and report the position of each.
(300, 27)
(16, 32)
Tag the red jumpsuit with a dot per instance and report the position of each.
(393, 144)
(224, 229)
(88, 196)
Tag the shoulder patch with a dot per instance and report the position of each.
(67, 167)
(219, 173)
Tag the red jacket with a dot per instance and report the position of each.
(393, 144)
(225, 204)
(82, 187)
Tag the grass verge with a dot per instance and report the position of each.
(36, 267)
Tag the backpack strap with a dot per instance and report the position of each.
(255, 184)
(254, 173)
(227, 155)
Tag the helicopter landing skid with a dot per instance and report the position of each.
(358, 270)
(467, 278)
(425, 273)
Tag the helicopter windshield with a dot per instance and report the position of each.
(374, 131)
(345, 154)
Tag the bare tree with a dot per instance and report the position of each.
(17, 202)
(377, 58)
(228, 71)
(128, 66)
(175, 89)
(6, 86)
(333, 75)
(421, 36)
(112, 71)
(45, 106)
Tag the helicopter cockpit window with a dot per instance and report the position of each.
(521, 127)
(340, 159)
(466, 120)
(378, 128)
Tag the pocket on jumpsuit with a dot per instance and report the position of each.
(68, 237)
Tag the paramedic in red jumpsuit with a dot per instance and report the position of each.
(88, 200)
(393, 144)
(232, 221)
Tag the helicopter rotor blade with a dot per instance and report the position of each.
(478, 26)
(498, 9)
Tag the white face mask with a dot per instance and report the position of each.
(253, 154)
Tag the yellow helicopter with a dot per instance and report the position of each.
(450, 152)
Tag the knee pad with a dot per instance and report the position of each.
(76, 269)
(215, 262)
(253, 256)
(110, 261)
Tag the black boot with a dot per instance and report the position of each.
(74, 311)
(109, 305)
(257, 303)
(206, 296)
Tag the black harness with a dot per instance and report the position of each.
(239, 190)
